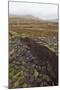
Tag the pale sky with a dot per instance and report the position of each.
(42, 11)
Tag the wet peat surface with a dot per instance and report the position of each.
(31, 64)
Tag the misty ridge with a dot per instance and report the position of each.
(31, 17)
(29, 22)
(42, 11)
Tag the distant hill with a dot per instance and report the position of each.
(24, 18)
(32, 26)
(33, 18)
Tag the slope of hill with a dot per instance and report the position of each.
(32, 26)
(33, 52)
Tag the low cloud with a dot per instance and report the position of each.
(43, 11)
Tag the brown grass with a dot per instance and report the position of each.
(33, 27)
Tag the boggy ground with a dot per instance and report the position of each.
(33, 52)
(31, 64)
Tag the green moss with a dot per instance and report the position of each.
(50, 48)
(15, 76)
(21, 73)
(12, 35)
(25, 85)
(46, 77)
(16, 83)
(36, 73)
(11, 72)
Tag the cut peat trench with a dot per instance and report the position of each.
(34, 63)
(44, 56)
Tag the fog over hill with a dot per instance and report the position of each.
(39, 11)
(34, 18)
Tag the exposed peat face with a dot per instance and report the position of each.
(31, 64)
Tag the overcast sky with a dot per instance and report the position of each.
(43, 11)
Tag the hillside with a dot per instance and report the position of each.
(33, 52)
(32, 22)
